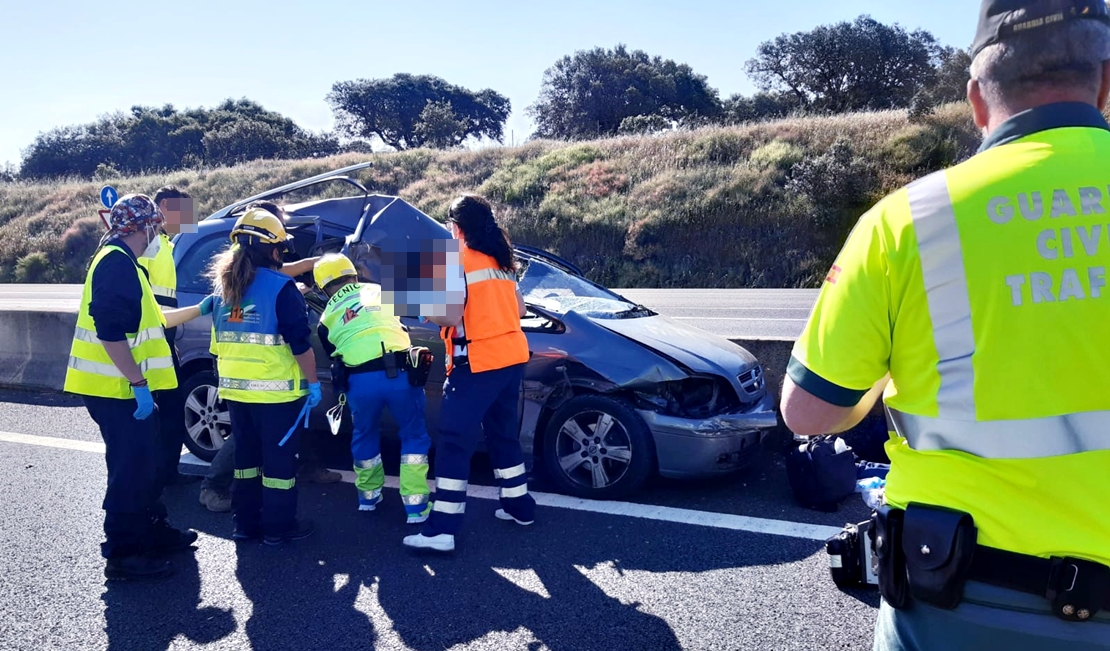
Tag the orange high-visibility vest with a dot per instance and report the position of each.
(491, 317)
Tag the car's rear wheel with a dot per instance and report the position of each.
(598, 447)
(207, 421)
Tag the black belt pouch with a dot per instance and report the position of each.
(889, 563)
(939, 544)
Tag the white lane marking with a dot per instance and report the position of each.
(51, 442)
(626, 509)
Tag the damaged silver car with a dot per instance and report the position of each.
(612, 394)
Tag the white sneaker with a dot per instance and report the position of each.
(418, 518)
(444, 542)
(502, 515)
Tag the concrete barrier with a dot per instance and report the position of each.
(34, 348)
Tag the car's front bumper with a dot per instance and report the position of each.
(689, 447)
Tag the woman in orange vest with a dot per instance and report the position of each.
(486, 354)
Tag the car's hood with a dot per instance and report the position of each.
(692, 347)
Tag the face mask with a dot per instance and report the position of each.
(153, 243)
(335, 414)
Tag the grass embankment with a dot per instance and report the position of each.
(760, 205)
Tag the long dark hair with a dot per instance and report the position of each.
(474, 217)
(234, 270)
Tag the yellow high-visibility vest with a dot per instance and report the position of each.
(359, 325)
(163, 274)
(91, 371)
(254, 362)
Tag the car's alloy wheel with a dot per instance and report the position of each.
(598, 447)
(207, 421)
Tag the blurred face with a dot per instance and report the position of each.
(179, 214)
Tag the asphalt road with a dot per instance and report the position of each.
(576, 580)
(732, 313)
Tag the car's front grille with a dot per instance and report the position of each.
(751, 380)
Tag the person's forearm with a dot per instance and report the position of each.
(299, 267)
(307, 362)
(177, 316)
(120, 352)
(520, 305)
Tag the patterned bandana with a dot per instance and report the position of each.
(133, 213)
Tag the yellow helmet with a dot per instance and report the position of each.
(258, 226)
(331, 267)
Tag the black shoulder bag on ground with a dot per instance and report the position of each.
(819, 475)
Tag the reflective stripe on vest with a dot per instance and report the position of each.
(955, 427)
(491, 318)
(90, 370)
(1007, 439)
(255, 363)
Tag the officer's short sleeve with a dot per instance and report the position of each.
(845, 347)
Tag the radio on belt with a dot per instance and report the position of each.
(850, 558)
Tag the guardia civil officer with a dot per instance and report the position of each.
(486, 353)
(118, 358)
(267, 372)
(365, 335)
(980, 291)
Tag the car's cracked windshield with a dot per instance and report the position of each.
(560, 292)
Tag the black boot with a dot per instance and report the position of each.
(136, 568)
(301, 529)
(165, 539)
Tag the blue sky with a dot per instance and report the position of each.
(66, 62)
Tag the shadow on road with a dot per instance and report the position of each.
(40, 398)
(151, 615)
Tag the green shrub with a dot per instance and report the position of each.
(777, 155)
(33, 268)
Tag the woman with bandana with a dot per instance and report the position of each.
(119, 356)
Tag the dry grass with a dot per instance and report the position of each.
(756, 205)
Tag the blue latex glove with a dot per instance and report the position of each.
(314, 395)
(206, 305)
(146, 403)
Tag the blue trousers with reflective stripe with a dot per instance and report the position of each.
(474, 402)
(369, 394)
(258, 430)
(132, 450)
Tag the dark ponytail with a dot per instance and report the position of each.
(474, 217)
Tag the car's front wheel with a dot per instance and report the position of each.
(598, 447)
(207, 422)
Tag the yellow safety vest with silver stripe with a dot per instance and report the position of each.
(359, 325)
(254, 362)
(91, 371)
(982, 289)
(163, 274)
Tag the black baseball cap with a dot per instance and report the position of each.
(1000, 19)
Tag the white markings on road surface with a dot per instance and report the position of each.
(626, 509)
(51, 442)
(728, 318)
(525, 579)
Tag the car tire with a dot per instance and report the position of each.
(205, 416)
(573, 453)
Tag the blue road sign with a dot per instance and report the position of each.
(108, 196)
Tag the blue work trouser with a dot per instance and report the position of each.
(369, 393)
(489, 399)
(989, 617)
(132, 502)
(264, 495)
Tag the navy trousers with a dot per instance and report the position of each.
(132, 449)
(490, 400)
(171, 407)
(264, 495)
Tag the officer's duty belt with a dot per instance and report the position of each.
(1044, 577)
